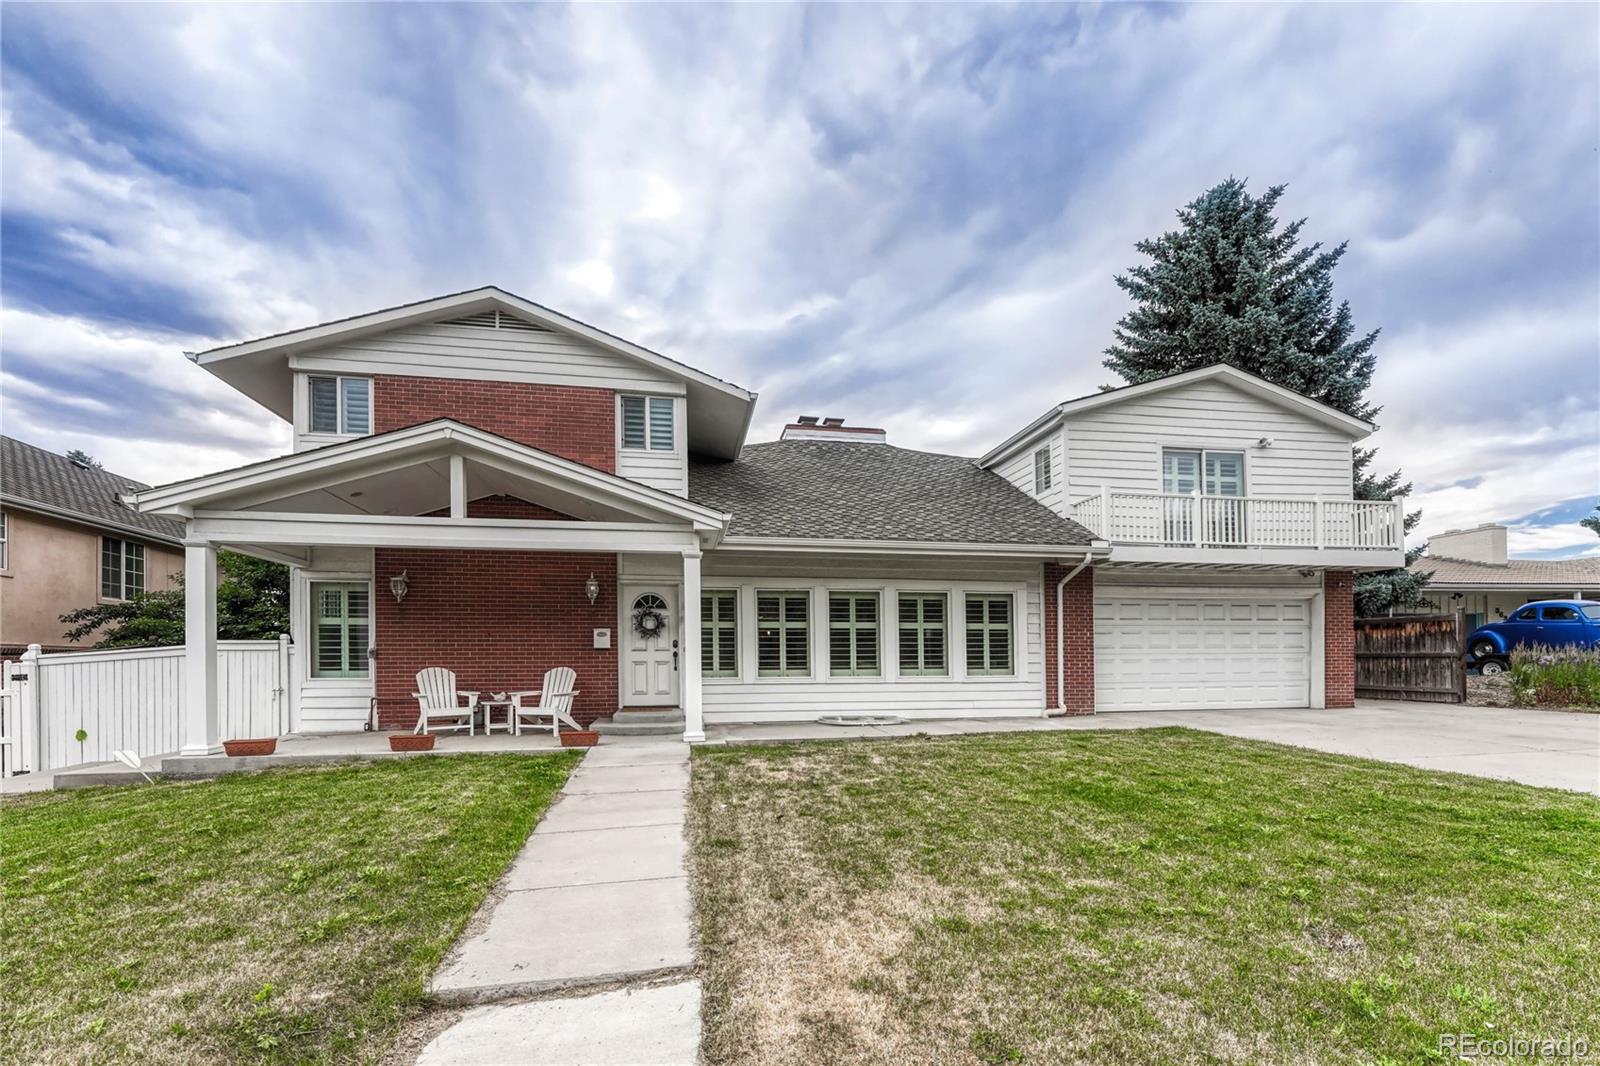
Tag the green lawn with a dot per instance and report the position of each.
(285, 916)
(1131, 897)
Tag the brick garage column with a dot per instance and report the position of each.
(1339, 639)
(1078, 643)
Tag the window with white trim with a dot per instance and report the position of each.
(341, 628)
(339, 405)
(647, 423)
(923, 624)
(719, 633)
(783, 634)
(5, 541)
(853, 634)
(1041, 470)
(121, 568)
(989, 627)
(1214, 473)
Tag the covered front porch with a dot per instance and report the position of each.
(438, 546)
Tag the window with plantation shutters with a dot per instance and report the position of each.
(853, 634)
(1041, 470)
(340, 405)
(923, 627)
(989, 626)
(783, 634)
(341, 627)
(647, 423)
(719, 633)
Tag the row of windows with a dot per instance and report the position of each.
(856, 631)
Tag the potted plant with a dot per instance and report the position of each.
(579, 738)
(411, 741)
(238, 749)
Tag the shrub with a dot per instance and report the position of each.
(1556, 677)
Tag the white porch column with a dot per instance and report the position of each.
(689, 674)
(201, 731)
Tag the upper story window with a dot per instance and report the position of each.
(1212, 473)
(121, 568)
(1041, 470)
(5, 542)
(340, 405)
(647, 423)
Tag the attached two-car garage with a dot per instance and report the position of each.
(1191, 650)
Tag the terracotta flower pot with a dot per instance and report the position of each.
(579, 738)
(238, 749)
(411, 741)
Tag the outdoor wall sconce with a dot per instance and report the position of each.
(591, 589)
(399, 585)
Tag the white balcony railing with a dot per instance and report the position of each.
(1198, 521)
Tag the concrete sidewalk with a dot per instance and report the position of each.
(599, 895)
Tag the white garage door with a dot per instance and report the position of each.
(1153, 653)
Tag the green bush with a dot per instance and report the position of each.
(1556, 677)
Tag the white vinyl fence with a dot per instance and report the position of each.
(131, 699)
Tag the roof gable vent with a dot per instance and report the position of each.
(495, 319)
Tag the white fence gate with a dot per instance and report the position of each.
(131, 699)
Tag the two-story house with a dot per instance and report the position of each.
(67, 540)
(481, 483)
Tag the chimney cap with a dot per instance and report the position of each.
(833, 421)
(806, 420)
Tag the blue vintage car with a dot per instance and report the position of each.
(1558, 623)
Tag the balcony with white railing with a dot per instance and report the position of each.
(1172, 527)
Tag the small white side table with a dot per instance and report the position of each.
(490, 706)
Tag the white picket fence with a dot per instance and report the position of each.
(131, 699)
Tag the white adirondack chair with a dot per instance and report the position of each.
(555, 702)
(441, 701)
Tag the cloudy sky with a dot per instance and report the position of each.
(906, 216)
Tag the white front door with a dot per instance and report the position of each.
(649, 627)
(1157, 653)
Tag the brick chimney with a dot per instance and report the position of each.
(810, 427)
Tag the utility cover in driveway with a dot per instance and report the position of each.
(1156, 653)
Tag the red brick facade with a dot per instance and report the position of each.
(1339, 638)
(498, 619)
(1078, 605)
(566, 420)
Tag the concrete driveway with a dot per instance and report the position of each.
(1551, 749)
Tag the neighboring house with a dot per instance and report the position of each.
(484, 484)
(68, 540)
(1472, 570)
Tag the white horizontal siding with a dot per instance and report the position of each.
(439, 350)
(1018, 469)
(329, 705)
(750, 698)
(664, 470)
(1120, 445)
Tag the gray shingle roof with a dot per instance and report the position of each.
(843, 490)
(1571, 574)
(32, 478)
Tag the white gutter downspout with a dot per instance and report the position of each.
(1061, 634)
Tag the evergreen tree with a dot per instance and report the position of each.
(83, 458)
(1231, 285)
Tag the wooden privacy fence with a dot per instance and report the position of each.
(131, 699)
(1412, 658)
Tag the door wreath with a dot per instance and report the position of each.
(648, 619)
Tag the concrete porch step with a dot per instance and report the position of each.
(666, 722)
